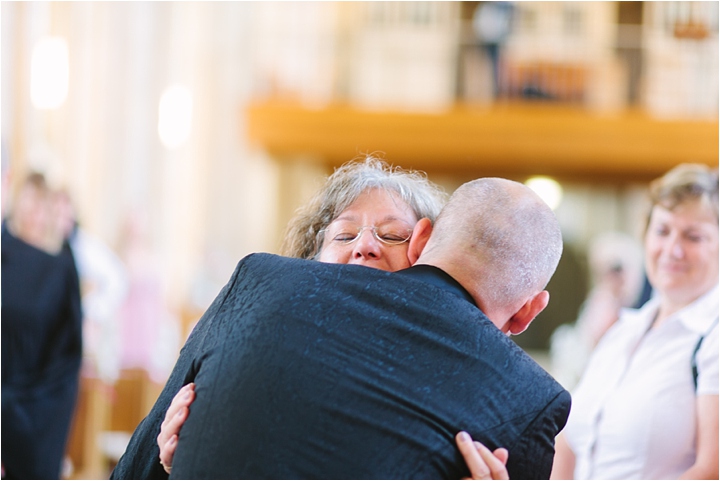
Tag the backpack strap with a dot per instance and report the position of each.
(695, 351)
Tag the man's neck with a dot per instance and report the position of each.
(439, 278)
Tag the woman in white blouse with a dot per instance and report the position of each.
(647, 404)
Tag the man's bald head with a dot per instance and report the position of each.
(499, 236)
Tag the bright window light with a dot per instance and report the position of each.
(175, 116)
(548, 189)
(49, 72)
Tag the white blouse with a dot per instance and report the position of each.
(633, 413)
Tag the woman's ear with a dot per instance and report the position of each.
(420, 235)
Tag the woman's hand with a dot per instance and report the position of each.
(174, 418)
(482, 463)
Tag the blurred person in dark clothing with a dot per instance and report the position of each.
(41, 338)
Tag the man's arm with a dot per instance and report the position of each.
(532, 456)
(141, 458)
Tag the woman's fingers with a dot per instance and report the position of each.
(482, 463)
(167, 453)
(495, 460)
(502, 454)
(176, 414)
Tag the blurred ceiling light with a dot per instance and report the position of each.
(548, 189)
(49, 72)
(175, 116)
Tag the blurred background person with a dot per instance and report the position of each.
(149, 332)
(41, 337)
(103, 286)
(616, 268)
(492, 26)
(647, 404)
(30, 216)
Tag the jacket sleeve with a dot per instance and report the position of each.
(532, 457)
(141, 457)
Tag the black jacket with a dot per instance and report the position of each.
(312, 370)
(41, 356)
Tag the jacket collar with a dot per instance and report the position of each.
(439, 278)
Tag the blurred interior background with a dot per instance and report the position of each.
(187, 133)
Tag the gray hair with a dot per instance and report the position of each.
(344, 186)
(509, 230)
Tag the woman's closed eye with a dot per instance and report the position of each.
(394, 236)
(345, 236)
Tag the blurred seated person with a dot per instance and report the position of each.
(41, 337)
(616, 269)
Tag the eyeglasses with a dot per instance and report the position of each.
(390, 234)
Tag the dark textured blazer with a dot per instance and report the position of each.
(313, 370)
(41, 355)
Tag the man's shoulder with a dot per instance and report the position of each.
(264, 261)
(262, 264)
(291, 269)
(259, 259)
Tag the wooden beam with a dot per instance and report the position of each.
(503, 139)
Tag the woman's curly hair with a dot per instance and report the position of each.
(344, 186)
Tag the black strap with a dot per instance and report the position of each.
(697, 348)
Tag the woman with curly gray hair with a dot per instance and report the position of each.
(364, 214)
(372, 181)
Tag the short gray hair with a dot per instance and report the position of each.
(509, 230)
(344, 186)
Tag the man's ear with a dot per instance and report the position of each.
(522, 318)
(420, 235)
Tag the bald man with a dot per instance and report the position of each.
(311, 370)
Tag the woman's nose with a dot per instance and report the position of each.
(677, 250)
(366, 246)
(674, 247)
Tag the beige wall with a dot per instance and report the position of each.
(213, 193)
